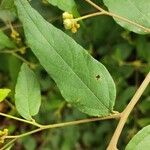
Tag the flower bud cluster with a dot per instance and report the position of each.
(70, 23)
(15, 35)
(3, 135)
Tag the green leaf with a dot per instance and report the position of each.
(82, 80)
(27, 96)
(137, 11)
(65, 5)
(7, 4)
(141, 140)
(4, 93)
(5, 42)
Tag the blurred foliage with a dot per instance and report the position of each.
(125, 54)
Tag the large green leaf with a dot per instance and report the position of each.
(65, 5)
(141, 141)
(137, 11)
(27, 97)
(5, 42)
(83, 81)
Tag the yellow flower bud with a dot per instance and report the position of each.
(74, 30)
(68, 23)
(67, 15)
(3, 135)
(14, 34)
(22, 50)
(77, 25)
(6, 131)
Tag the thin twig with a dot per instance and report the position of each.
(8, 27)
(94, 5)
(19, 119)
(89, 16)
(44, 127)
(13, 52)
(146, 30)
(124, 115)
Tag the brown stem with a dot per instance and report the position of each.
(124, 115)
(44, 127)
(94, 5)
(89, 16)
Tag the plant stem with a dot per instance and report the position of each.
(146, 30)
(89, 16)
(95, 5)
(44, 127)
(124, 115)
(8, 27)
(21, 120)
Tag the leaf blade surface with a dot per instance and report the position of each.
(73, 69)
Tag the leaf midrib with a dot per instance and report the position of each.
(26, 85)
